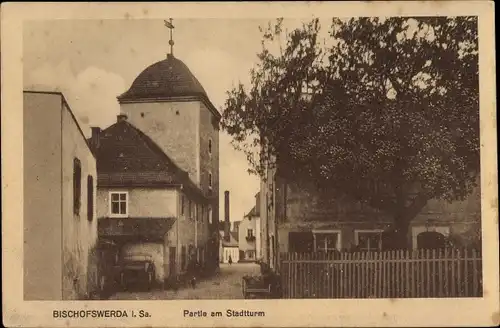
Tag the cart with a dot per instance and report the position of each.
(256, 287)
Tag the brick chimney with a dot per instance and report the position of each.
(227, 224)
(95, 140)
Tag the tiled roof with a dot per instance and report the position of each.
(233, 240)
(164, 79)
(127, 157)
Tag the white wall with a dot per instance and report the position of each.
(230, 251)
(142, 202)
(79, 233)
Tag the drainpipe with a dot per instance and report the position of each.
(196, 229)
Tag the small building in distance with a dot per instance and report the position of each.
(60, 225)
(229, 248)
(249, 233)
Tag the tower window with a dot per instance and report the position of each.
(210, 146)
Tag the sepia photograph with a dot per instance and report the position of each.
(327, 157)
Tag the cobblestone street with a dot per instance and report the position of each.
(225, 285)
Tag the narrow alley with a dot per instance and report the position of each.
(225, 285)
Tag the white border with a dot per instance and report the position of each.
(290, 313)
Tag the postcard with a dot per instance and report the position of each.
(271, 164)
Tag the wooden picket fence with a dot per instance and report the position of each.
(389, 274)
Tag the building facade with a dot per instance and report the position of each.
(300, 218)
(229, 248)
(147, 205)
(249, 234)
(60, 225)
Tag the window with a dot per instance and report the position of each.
(202, 214)
(196, 212)
(210, 146)
(90, 198)
(210, 214)
(77, 185)
(182, 204)
(118, 204)
(210, 180)
(250, 232)
(368, 240)
(189, 210)
(326, 240)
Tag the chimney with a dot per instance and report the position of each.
(95, 141)
(257, 204)
(227, 224)
(121, 117)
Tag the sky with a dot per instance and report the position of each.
(94, 61)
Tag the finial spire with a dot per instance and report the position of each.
(170, 26)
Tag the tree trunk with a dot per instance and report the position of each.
(401, 228)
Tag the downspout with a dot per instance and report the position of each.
(178, 255)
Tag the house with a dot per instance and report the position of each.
(158, 187)
(301, 218)
(229, 247)
(147, 205)
(249, 234)
(59, 190)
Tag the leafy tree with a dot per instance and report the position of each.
(384, 110)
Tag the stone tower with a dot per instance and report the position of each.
(169, 104)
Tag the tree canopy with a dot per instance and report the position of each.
(384, 110)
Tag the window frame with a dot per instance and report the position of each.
(357, 232)
(119, 215)
(338, 246)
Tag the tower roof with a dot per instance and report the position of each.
(168, 78)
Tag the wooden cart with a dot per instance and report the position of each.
(255, 287)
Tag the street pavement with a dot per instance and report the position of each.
(225, 285)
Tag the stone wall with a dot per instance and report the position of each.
(173, 126)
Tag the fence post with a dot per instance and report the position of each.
(434, 266)
(477, 288)
(455, 261)
(466, 273)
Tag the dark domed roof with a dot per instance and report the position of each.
(169, 78)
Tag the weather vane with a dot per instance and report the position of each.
(170, 26)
